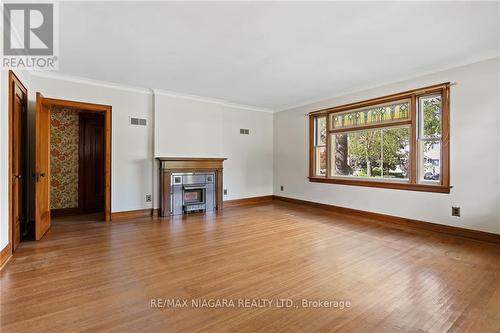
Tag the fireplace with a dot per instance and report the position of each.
(190, 185)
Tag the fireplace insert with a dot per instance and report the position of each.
(192, 192)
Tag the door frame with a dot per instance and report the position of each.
(106, 111)
(14, 80)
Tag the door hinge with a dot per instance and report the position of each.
(37, 176)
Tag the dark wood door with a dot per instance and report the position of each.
(42, 167)
(91, 167)
(18, 167)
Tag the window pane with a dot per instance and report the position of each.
(339, 155)
(321, 161)
(378, 114)
(396, 152)
(321, 131)
(430, 116)
(320, 146)
(358, 153)
(377, 153)
(430, 168)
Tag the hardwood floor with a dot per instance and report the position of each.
(98, 277)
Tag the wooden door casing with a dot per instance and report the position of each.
(42, 167)
(45, 104)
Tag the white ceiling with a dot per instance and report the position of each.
(273, 54)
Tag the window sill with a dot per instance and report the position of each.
(384, 184)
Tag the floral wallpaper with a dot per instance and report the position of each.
(64, 151)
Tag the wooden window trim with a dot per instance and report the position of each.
(413, 182)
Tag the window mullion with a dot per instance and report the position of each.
(312, 148)
(414, 141)
(328, 148)
(445, 137)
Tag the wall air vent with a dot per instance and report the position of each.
(138, 121)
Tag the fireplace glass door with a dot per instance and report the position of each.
(194, 196)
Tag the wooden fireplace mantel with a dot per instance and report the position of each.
(190, 163)
(169, 165)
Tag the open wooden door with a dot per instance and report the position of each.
(42, 167)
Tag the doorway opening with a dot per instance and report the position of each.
(76, 162)
(73, 161)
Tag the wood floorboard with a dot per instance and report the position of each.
(89, 276)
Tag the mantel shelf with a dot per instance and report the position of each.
(191, 158)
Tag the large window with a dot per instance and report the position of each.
(398, 141)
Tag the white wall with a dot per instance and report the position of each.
(475, 154)
(195, 128)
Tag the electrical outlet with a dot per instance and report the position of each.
(282, 188)
(455, 211)
(225, 191)
(148, 197)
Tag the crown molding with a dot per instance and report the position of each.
(210, 100)
(83, 80)
(149, 91)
